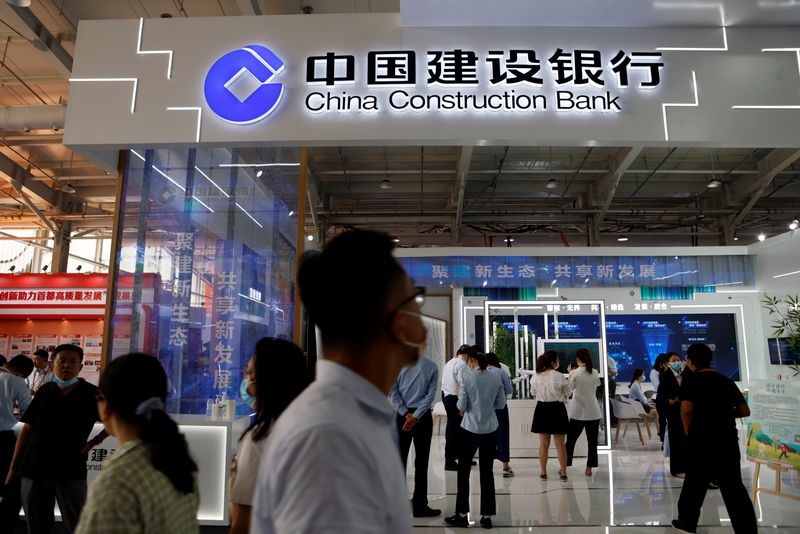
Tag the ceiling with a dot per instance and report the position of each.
(439, 195)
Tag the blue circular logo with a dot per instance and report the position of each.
(239, 87)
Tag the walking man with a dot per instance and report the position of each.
(412, 396)
(710, 404)
(451, 379)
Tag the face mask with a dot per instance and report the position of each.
(418, 346)
(246, 397)
(676, 366)
(65, 383)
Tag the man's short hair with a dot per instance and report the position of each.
(700, 355)
(41, 353)
(345, 288)
(463, 349)
(68, 347)
(21, 364)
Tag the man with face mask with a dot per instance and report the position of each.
(412, 396)
(51, 450)
(350, 477)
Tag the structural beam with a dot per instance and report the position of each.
(52, 44)
(462, 174)
(768, 168)
(606, 186)
(314, 198)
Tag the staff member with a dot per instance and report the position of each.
(42, 374)
(450, 388)
(412, 396)
(481, 395)
(668, 402)
(584, 411)
(550, 416)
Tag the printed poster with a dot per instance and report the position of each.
(21, 344)
(4, 346)
(773, 430)
(46, 342)
(71, 339)
(92, 357)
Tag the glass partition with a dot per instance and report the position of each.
(206, 263)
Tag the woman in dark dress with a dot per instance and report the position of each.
(668, 402)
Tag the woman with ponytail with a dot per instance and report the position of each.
(148, 486)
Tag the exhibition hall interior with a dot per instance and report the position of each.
(616, 179)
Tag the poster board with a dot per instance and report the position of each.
(773, 429)
(4, 346)
(21, 344)
(566, 349)
(46, 342)
(92, 357)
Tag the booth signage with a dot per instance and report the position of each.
(586, 271)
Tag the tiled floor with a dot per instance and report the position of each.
(637, 496)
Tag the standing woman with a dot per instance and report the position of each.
(655, 379)
(550, 417)
(148, 486)
(584, 411)
(503, 424)
(668, 402)
(275, 375)
(481, 394)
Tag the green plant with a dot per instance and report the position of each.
(503, 346)
(786, 321)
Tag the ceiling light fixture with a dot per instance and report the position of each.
(552, 183)
(761, 237)
(310, 237)
(69, 189)
(259, 173)
(714, 183)
(395, 240)
(44, 268)
(291, 213)
(794, 225)
(12, 268)
(19, 3)
(622, 238)
(386, 184)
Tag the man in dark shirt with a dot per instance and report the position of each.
(51, 450)
(710, 404)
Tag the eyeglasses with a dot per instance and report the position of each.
(418, 296)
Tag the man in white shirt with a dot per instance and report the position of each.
(41, 374)
(331, 462)
(451, 387)
(13, 391)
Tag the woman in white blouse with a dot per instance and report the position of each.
(550, 416)
(584, 411)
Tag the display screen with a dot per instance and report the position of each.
(780, 353)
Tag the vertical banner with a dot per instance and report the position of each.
(773, 430)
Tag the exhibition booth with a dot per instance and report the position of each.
(211, 117)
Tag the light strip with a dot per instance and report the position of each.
(134, 80)
(248, 214)
(724, 284)
(702, 49)
(203, 204)
(137, 155)
(140, 51)
(199, 117)
(162, 173)
(765, 107)
(212, 181)
(675, 274)
(665, 105)
(259, 165)
(786, 274)
(741, 320)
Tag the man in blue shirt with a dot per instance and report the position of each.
(13, 390)
(412, 396)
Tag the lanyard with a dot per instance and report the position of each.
(36, 385)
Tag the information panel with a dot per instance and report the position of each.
(773, 430)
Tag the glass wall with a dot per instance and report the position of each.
(206, 263)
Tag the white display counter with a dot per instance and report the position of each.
(211, 444)
(524, 443)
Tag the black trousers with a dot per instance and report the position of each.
(485, 445)
(726, 471)
(678, 448)
(612, 393)
(592, 430)
(452, 431)
(9, 507)
(503, 437)
(421, 435)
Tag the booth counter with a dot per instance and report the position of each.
(212, 444)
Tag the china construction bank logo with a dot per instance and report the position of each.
(240, 86)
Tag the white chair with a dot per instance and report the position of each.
(439, 413)
(645, 416)
(626, 413)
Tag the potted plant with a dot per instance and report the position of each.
(786, 323)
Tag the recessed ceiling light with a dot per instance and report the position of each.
(552, 183)
(794, 225)
(761, 237)
(386, 184)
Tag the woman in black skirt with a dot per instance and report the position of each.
(550, 417)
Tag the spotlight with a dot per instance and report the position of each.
(259, 173)
(12, 268)
(761, 237)
(386, 184)
(794, 225)
(78, 268)
(291, 213)
(69, 189)
(310, 237)
(509, 240)
(622, 238)
(19, 3)
(395, 240)
(44, 268)
(714, 183)
(552, 183)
